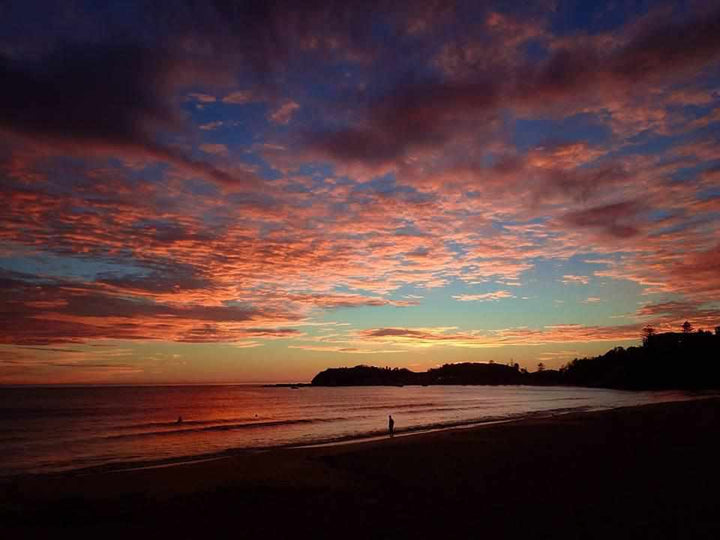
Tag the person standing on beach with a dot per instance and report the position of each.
(391, 425)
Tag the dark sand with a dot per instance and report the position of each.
(641, 472)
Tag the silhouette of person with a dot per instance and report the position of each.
(179, 420)
(391, 425)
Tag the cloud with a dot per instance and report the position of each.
(209, 126)
(202, 98)
(240, 97)
(38, 311)
(418, 114)
(284, 113)
(564, 333)
(668, 316)
(465, 149)
(336, 301)
(686, 263)
(216, 149)
(58, 101)
(343, 350)
(578, 280)
(486, 297)
(617, 220)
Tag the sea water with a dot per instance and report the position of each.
(53, 429)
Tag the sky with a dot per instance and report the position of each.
(218, 191)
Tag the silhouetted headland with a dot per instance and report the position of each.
(467, 373)
(672, 360)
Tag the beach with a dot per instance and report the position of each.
(650, 471)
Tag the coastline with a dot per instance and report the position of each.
(656, 459)
(118, 465)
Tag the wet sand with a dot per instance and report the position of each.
(638, 472)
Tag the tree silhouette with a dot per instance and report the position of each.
(541, 367)
(687, 327)
(648, 332)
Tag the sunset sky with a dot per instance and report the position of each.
(203, 191)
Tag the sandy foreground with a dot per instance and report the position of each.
(638, 472)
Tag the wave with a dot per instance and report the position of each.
(175, 424)
(411, 407)
(445, 424)
(388, 405)
(222, 427)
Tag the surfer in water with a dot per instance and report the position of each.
(391, 425)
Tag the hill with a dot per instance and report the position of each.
(687, 360)
(465, 373)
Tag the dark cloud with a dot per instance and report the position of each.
(37, 311)
(96, 81)
(670, 315)
(118, 97)
(91, 365)
(429, 111)
(171, 280)
(674, 308)
(671, 45)
(272, 332)
(400, 332)
(51, 349)
(209, 333)
(416, 115)
(582, 183)
(267, 36)
(123, 95)
(106, 94)
(617, 220)
(697, 272)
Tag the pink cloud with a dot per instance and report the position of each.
(216, 149)
(239, 97)
(465, 204)
(284, 113)
(486, 297)
(579, 280)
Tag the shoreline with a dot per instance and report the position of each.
(624, 471)
(350, 440)
(376, 436)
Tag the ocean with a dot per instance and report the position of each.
(54, 429)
